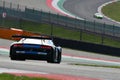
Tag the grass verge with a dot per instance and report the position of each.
(62, 32)
(94, 65)
(112, 10)
(5, 76)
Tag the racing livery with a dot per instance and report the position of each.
(98, 16)
(36, 48)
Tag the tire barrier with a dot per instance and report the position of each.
(85, 46)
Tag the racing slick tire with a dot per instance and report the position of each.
(54, 57)
(13, 56)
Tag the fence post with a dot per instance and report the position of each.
(18, 7)
(66, 23)
(49, 16)
(41, 14)
(80, 34)
(113, 30)
(58, 19)
(75, 27)
(20, 23)
(3, 5)
(103, 33)
(33, 10)
(51, 29)
(4, 14)
(94, 25)
(11, 5)
(85, 24)
(0, 20)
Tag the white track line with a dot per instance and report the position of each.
(6, 70)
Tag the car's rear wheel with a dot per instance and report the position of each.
(17, 57)
(14, 56)
(54, 57)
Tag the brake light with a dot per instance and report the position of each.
(46, 47)
(18, 45)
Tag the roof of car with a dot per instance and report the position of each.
(98, 14)
(34, 40)
(32, 37)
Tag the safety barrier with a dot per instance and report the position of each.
(85, 46)
(7, 33)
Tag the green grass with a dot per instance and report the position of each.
(95, 65)
(62, 32)
(112, 10)
(5, 76)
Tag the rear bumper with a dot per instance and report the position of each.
(35, 56)
(31, 56)
(31, 52)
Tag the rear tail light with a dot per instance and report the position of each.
(18, 45)
(46, 47)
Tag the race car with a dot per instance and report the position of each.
(35, 48)
(98, 16)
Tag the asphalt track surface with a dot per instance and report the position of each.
(86, 9)
(36, 4)
(63, 68)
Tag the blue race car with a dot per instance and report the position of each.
(35, 48)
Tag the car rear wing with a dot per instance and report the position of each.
(32, 37)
